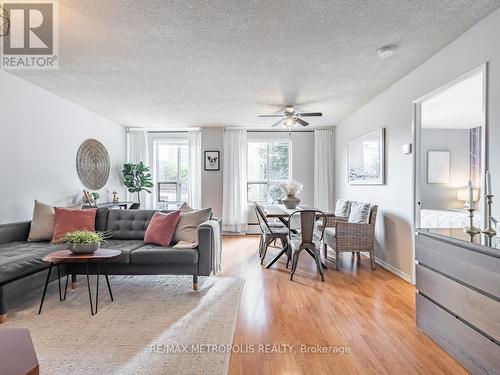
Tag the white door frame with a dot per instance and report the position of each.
(416, 130)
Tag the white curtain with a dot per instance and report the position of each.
(194, 169)
(234, 209)
(138, 150)
(324, 144)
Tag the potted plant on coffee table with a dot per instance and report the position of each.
(83, 241)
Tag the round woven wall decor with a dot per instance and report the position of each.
(92, 164)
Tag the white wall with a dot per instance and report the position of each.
(457, 142)
(39, 137)
(211, 181)
(393, 109)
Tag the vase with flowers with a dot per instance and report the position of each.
(291, 189)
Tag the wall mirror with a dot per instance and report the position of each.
(450, 158)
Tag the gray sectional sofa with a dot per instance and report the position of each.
(22, 268)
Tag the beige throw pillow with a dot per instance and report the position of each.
(188, 225)
(42, 224)
(360, 213)
(185, 207)
(342, 208)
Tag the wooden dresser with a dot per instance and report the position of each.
(458, 299)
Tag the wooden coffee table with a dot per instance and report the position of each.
(66, 256)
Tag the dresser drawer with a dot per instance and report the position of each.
(475, 352)
(472, 268)
(477, 309)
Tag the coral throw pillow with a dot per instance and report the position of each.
(161, 228)
(69, 220)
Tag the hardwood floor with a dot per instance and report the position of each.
(371, 312)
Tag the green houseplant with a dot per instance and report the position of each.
(83, 241)
(137, 178)
(96, 197)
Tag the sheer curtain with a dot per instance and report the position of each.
(324, 142)
(138, 150)
(194, 169)
(234, 209)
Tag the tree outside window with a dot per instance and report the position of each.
(171, 174)
(268, 166)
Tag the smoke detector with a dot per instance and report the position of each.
(386, 51)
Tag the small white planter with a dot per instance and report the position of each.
(86, 248)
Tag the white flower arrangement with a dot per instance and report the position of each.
(291, 187)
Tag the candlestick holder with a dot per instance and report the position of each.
(489, 231)
(472, 230)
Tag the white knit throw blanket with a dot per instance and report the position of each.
(216, 246)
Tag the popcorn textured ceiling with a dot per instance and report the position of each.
(212, 63)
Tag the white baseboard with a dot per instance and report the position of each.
(393, 270)
(233, 234)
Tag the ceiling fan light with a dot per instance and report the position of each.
(289, 123)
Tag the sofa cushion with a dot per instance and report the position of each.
(360, 213)
(69, 220)
(18, 259)
(125, 246)
(154, 254)
(101, 218)
(161, 228)
(185, 207)
(188, 224)
(42, 224)
(128, 224)
(329, 236)
(342, 208)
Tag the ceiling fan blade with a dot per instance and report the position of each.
(270, 115)
(310, 114)
(301, 122)
(277, 123)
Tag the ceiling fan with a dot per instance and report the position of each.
(291, 119)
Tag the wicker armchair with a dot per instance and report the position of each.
(342, 236)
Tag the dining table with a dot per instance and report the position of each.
(280, 212)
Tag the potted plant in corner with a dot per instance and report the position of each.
(137, 178)
(83, 241)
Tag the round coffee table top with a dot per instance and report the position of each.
(66, 256)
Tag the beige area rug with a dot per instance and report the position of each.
(156, 325)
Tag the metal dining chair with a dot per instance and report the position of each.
(306, 240)
(269, 233)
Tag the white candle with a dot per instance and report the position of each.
(471, 195)
(488, 183)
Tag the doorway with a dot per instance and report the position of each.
(450, 155)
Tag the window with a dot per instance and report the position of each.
(268, 166)
(171, 173)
